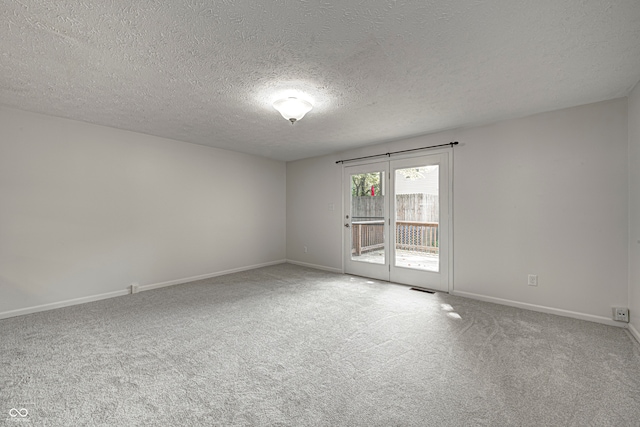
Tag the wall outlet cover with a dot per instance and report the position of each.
(621, 314)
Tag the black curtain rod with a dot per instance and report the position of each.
(398, 152)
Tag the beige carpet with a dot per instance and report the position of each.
(291, 346)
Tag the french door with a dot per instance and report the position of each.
(397, 221)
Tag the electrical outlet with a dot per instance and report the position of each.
(532, 280)
(305, 249)
(135, 288)
(621, 314)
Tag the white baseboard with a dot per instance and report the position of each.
(76, 301)
(65, 303)
(634, 332)
(207, 276)
(317, 267)
(542, 309)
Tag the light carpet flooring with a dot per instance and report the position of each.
(292, 346)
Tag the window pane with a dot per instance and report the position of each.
(367, 217)
(417, 211)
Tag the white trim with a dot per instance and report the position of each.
(92, 298)
(65, 303)
(451, 283)
(207, 276)
(542, 309)
(342, 221)
(438, 280)
(378, 271)
(317, 267)
(634, 332)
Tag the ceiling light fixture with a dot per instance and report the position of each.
(292, 109)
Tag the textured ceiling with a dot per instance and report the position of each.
(207, 71)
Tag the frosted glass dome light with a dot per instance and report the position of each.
(292, 109)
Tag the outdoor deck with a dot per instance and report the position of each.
(416, 243)
(407, 259)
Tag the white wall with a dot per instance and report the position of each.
(312, 186)
(634, 210)
(546, 195)
(87, 210)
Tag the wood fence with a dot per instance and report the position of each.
(367, 207)
(417, 207)
(409, 207)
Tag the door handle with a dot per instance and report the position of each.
(347, 225)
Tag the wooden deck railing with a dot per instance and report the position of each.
(367, 236)
(410, 235)
(417, 236)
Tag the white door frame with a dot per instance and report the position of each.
(447, 284)
(359, 268)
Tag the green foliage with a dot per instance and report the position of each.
(361, 184)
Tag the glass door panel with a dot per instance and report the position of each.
(420, 221)
(417, 210)
(367, 220)
(367, 217)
